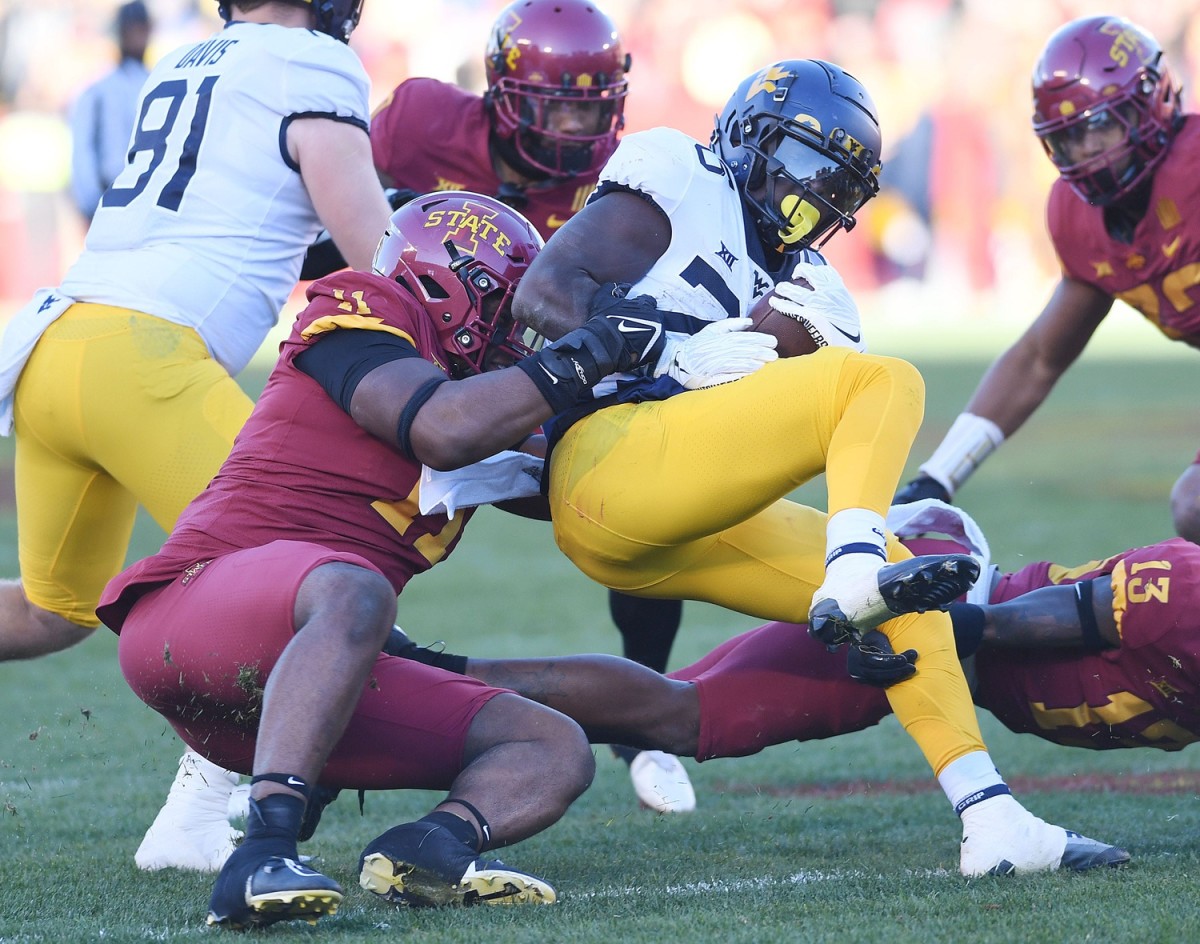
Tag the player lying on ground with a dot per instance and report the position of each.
(1104, 655)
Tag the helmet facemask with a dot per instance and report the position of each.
(802, 190)
(1138, 145)
(598, 115)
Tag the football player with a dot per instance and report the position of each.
(536, 139)
(119, 383)
(1109, 114)
(1102, 655)
(257, 634)
(682, 496)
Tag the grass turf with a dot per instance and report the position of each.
(842, 840)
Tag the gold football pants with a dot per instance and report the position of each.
(113, 409)
(684, 498)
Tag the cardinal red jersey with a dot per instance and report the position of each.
(430, 135)
(1157, 272)
(1146, 693)
(303, 470)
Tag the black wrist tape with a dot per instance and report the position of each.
(1092, 641)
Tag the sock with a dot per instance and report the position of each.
(274, 823)
(463, 831)
(970, 780)
(854, 531)
(647, 627)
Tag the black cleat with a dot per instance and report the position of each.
(256, 890)
(424, 866)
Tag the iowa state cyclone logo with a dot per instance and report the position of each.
(470, 227)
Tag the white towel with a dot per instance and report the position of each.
(930, 516)
(500, 477)
(23, 332)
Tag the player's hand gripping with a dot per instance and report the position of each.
(817, 294)
(923, 486)
(872, 660)
(719, 353)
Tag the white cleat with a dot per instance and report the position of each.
(662, 783)
(239, 802)
(1001, 837)
(868, 591)
(192, 829)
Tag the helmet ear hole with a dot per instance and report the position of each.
(432, 288)
(758, 174)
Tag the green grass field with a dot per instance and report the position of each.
(805, 842)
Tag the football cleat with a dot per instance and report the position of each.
(192, 829)
(424, 866)
(256, 889)
(1001, 837)
(239, 802)
(661, 782)
(320, 798)
(841, 613)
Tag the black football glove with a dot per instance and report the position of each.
(923, 486)
(872, 661)
(398, 644)
(620, 334)
(323, 257)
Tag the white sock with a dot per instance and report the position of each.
(854, 531)
(970, 779)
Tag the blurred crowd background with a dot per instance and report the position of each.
(957, 228)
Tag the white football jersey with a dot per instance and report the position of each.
(709, 271)
(208, 223)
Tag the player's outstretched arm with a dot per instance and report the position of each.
(1071, 616)
(1015, 385)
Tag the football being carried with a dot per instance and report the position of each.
(811, 310)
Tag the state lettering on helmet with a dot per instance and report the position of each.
(461, 255)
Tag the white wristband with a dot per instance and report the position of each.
(970, 440)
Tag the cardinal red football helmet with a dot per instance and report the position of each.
(556, 86)
(1105, 106)
(461, 255)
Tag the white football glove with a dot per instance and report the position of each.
(720, 352)
(827, 306)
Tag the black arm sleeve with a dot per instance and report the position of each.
(322, 258)
(340, 359)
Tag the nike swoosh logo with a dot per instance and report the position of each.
(293, 782)
(856, 338)
(553, 379)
